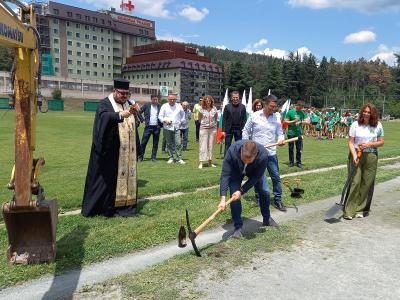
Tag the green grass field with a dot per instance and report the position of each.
(64, 140)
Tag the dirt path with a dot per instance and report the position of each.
(357, 259)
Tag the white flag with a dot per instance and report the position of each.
(244, 102)
(225, 101)
(249, 106)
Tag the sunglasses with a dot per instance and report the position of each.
(123, 93)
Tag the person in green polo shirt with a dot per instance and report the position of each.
(296, 118)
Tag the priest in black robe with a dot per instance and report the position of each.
(111, 182)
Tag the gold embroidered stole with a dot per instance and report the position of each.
(125, 194)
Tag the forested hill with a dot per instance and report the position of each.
(319, 82)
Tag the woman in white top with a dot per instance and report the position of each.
(208, 129)
(366, 134)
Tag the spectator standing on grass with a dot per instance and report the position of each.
(264, 127)
(110, 187)
(185, 126)
(208, 116)
(196, 110)
(152, 126)
(172, 116)
(244, 158)
(233, 119)
(295, 118)
(367, 134)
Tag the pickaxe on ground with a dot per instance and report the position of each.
(198, 230)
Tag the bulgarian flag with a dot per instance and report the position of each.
(284, 110)
(219, 137)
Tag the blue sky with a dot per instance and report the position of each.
(344, 29)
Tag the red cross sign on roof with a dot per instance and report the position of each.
(129, 6)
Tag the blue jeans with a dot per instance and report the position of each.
(148, 131)
(261, 188)
(235, 132)
(273, 170)
(184, 137)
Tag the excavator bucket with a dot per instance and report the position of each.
(31, 232)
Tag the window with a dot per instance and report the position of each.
(87, 18)
(56, 50)
(137, 76)
(79, 63)
(70, 71)
(94, 38)
(94, 19)
(94, 64)
(87, 27)
(165, 75)
(87, 36)
(87, 64)
(151, 75)
(109, 75)
(69, 33)
(56, 11)
(94, 47)
(109, 40)
(69, 14)
(109, 29)
(69, 52)
(88, 73)
(108, 49)
(55, 21)
(68, 23)
(102, 48)
(79, 53)
(102, 22)
(95, 73)
(77, 34)
(56, 70)
(56, 41)
(102, 39)
(159, 76)
(70, 61)
(102, 65)
(77, 25)
(101, 29)
(69, 43)
(102, 56)
(175, 74)
(108, 57)
(87, 46)
(78, 16)
(78, 72)
(94, 55)
(87, 54)
(78, 44)
(57, 60)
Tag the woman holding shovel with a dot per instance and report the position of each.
(365, 134)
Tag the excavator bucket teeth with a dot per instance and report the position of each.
(31, 232)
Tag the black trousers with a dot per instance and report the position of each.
(299, 149)
(153, 130)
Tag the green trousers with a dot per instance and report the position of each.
(363, 178)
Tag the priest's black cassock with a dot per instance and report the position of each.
(101, 180)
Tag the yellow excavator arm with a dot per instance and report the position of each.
(31, 224)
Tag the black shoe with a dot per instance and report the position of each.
(271, 222)
(291, 164)
(154, 159)
(280, 206)
(299, 165)
(237, 234)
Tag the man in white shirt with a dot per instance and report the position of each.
(265, 127)
(172, 115)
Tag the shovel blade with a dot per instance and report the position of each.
(333, 211)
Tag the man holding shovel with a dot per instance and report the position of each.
(245, 158)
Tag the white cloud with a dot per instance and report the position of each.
(170, 37)
(303, 51)
(359, 5)
(222, 47)
(153, 8)
(278, 53)
(193, 14)
(363, 36)
(253, 48)
(386, 54)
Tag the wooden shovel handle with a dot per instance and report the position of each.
(285, 141)
(210, 218)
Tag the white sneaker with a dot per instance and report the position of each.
(212, 166)
(170, 161)
(181, 162)
(200, 166)
(348, 217)
(359, 215)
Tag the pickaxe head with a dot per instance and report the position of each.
(192, 235)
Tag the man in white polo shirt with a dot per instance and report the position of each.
(172, 115)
